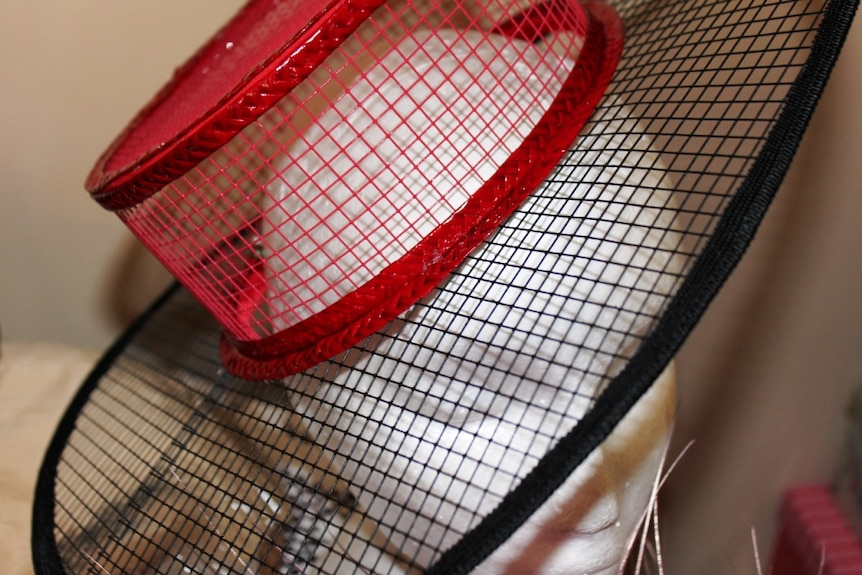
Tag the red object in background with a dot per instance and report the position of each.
(815, 538)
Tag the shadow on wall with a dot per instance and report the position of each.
(136, 280)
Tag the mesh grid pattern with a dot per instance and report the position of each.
(384, 457)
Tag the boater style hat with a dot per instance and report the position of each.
(428, 255)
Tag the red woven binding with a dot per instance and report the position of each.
(162, 143)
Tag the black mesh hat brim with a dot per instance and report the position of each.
(687, 149)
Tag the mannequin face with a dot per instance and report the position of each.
(588, 525)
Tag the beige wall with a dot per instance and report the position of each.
(71, 75)
(764, 379)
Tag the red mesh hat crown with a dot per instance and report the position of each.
(317, 167)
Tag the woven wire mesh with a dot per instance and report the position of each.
(382, 458)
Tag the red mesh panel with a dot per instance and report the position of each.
(356, 162)
(254, 39)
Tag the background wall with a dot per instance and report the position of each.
(72, 74)
(764, 379)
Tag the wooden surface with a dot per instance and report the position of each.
(37, 381)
